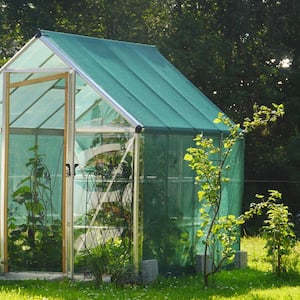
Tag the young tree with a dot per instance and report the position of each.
(215, 229)
(279, 234)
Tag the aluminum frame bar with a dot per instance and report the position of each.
(105, 130)
(4, 176)
(39, 70)
(136, 192)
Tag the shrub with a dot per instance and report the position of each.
(281, 239)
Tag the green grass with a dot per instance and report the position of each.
(254, 282)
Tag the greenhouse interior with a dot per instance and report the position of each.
(94, 133)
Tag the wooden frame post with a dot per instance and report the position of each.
(69, 134)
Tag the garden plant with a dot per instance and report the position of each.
(220, 233)
(33, 243)
(257, 281)
(279, 235)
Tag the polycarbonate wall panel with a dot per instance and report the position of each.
(18, 157)
(170, 203)
(39, 56)
(33, 105)
(35, 202)
(37, 105)
(103, 192)
(43, 111)
(169, 206)
(92, 111)
(50, 149)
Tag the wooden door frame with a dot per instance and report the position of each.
(68, 155)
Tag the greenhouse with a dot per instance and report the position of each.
(93, 137)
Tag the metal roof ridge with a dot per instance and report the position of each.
(43, 32)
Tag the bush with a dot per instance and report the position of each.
(110, 258)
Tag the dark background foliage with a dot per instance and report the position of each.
(233, 50)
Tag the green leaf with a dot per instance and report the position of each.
(201, 194)
(200, 233)
(188, 157)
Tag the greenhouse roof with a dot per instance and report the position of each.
(136, 80)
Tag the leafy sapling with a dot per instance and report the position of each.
(220, 233)
(279, 235)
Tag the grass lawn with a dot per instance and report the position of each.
(254, 282)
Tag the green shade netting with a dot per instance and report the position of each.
(141, 81)
(170, 204)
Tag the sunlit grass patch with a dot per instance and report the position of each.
(257, 254)
(254, 282)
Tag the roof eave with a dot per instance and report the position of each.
(183, 131)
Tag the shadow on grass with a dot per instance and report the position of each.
(225, 284)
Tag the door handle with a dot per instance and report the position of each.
(68, 169)
(75, 166)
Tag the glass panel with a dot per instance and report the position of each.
(103, 197)
(103, 184)
(39, 56)
(41, 111)
(34, 184)
(34, 105)
(92, 111)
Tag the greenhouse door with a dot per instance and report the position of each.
(36, 176)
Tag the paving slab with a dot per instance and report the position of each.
(38, 276)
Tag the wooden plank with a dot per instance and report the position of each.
(38, 80)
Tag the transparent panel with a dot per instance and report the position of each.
(37, 105)
(92, 111)
(103, 198)
(35, 170)
(38, 56)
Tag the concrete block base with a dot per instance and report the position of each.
(149, 270)
(240, 260)
(200, 258)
